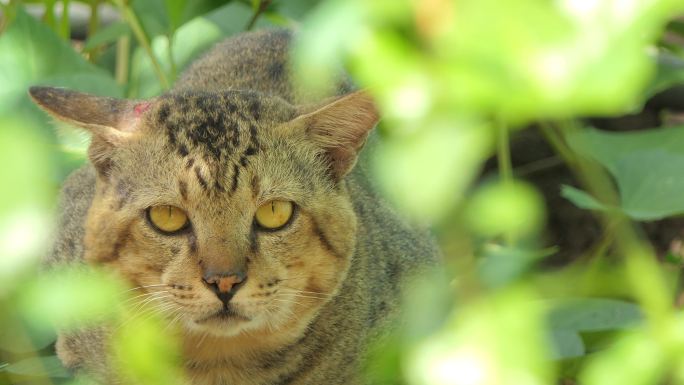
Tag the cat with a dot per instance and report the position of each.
(240, 198)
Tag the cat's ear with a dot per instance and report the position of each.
(340, 128)
(110, 121)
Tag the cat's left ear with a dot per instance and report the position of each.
(112, 120)
(340, 128)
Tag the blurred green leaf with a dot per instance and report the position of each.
(636, 360)
(501, 265)
(71, 297)
(497, 340)
(48, 366)
(426, 171)
(645, 164)
(19, 337)
(670, 73)
(520, 60)
(594, 314)
(145, 353)
(24, 215)
(515, 209)
(31, 53)
(107, 35)
(566, 344)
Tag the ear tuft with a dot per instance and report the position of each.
(340, 128)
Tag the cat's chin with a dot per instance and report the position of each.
(221, 324)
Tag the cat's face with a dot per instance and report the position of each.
(181, 182)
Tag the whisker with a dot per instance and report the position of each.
(142, 295)
(144, 287)
(290, 290)
(202, 339)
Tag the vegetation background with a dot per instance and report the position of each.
(543, 141)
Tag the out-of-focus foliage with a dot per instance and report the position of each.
(452, 77)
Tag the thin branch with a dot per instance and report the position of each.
(93, 26)
(142, 38)
(263, 6)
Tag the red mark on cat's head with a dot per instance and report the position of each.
(140, 108)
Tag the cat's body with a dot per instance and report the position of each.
(339, 262)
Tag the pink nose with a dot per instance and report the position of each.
(225, 285)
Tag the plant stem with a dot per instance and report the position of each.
(172, 61)
(263, 5)
(123, 48)
(142, 38)
(65, 22)
(504, 153)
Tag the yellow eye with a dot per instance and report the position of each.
(274, 214)
(167, 219)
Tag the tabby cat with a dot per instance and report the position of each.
(237, 197)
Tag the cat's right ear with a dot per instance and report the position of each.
(110, 121)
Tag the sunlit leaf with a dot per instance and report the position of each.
(636, 359)
(498, 340)
(426, 171)
(518, 60)
(24, 218)
(68, 298)
(515, 209)
(145, 352)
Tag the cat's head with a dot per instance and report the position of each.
(230, 209)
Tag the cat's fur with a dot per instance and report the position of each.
(231, 135)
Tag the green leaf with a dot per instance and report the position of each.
(582, 199)
(645, 164)
(593, 314)
(47, 366)
(566, 344)
(107, 35)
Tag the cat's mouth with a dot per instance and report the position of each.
(227, 314)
